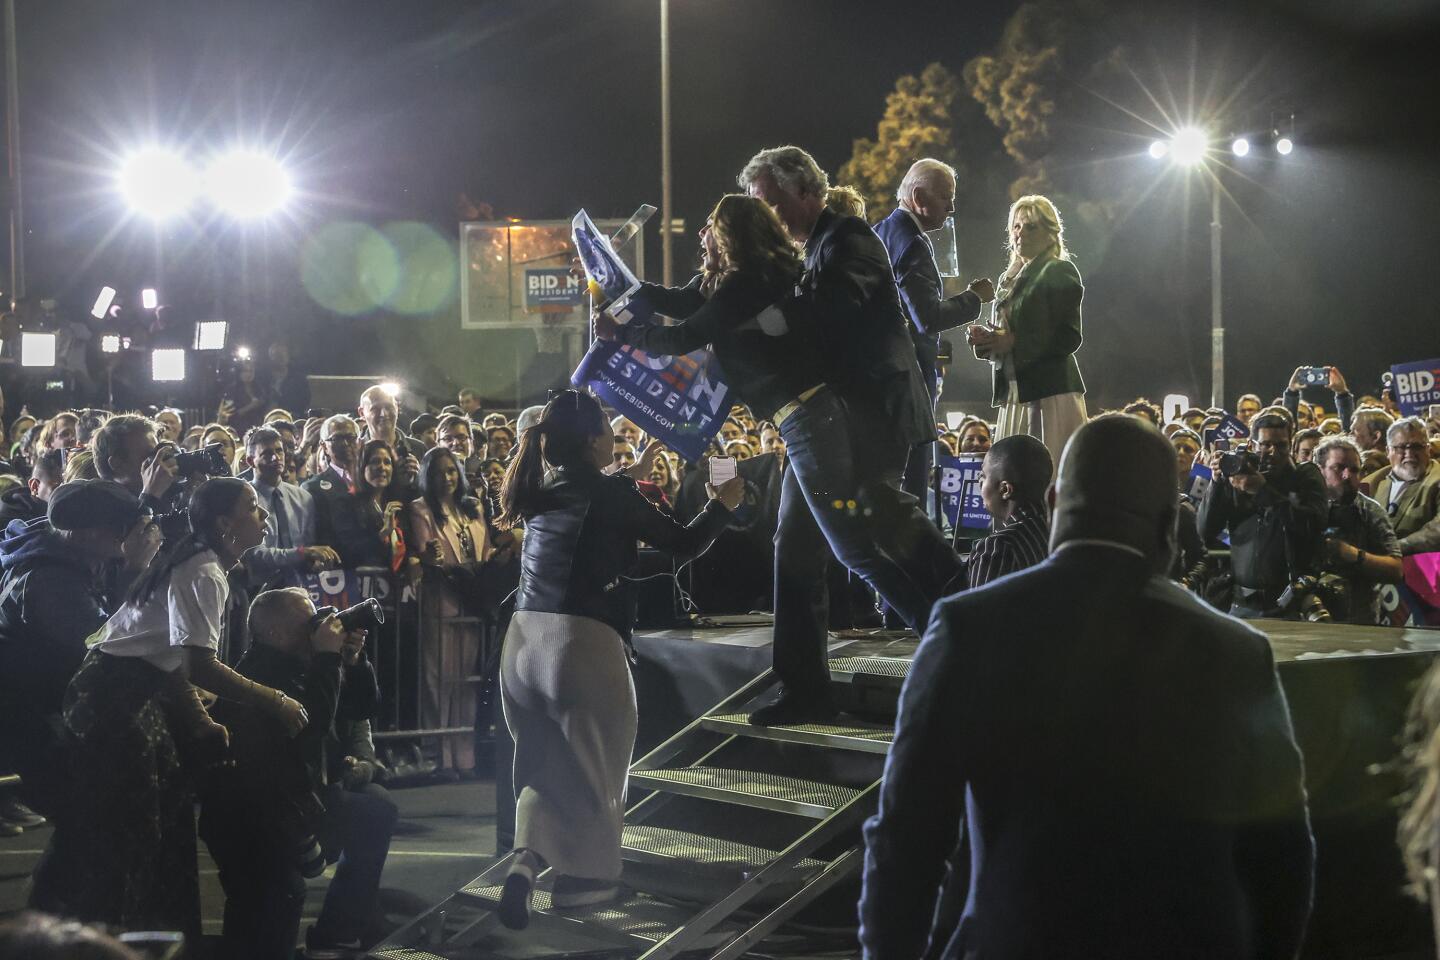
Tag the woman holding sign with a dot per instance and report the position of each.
(564, 673)
(1035, 331)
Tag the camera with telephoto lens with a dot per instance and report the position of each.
(308, 811)
(209, 459)
(365, 615)
(1316, 599)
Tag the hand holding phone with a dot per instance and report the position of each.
(722, 469)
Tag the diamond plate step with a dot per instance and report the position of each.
(862, 737)
(640, 917)
(661, 845)
(405, 953)
(767, 791)
(877, 671)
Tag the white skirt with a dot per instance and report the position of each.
(1051, 420)
(570, 705)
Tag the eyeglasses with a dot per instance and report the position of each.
(340, 438)
(1408, 447)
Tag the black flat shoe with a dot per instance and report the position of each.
(792, 709)
(515, 901)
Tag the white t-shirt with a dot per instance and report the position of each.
(188, 612)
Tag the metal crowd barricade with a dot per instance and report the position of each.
(400, 651)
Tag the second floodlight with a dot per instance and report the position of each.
(247, 184)
(158, 183)
(1189, 146)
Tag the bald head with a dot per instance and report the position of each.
(1117, 482)
(281, 619)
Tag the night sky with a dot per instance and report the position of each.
(386, 111)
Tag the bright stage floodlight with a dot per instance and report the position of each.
(158, 183)
(247, 184)
(110, 343)
(37, 349)
(1284, 145)
(1159, 149)
(149, 298)
(211, 334)
(1189, 146)
(102, 303)
(167, 365)
(1240, 147)
(390, 388)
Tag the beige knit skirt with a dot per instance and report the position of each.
(570, 705)
(1051, 420)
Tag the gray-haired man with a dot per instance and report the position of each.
(847, 441)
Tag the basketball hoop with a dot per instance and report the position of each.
(550, 334)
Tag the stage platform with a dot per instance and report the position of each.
(1348, 689)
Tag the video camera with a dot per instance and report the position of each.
(365, 615)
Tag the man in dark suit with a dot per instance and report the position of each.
(851, 436)
(339, 521)
(926, 197)
(1121, 753)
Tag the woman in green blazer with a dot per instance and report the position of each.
(1035, 331)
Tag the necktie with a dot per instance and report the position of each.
(282, 524)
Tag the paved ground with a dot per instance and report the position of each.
(446, 837)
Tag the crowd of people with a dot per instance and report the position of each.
(160, 639)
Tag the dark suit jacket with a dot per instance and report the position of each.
(1045, 318)
(921, 291)
(870, 360)
(342, 522)
(1123, 757)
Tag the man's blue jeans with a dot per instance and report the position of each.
(840, 492)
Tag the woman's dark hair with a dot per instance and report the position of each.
(430, 484)
(363, 489)
(213, 499)
(750, 237)
(364, 492)
(569, 424)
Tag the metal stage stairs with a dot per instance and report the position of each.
(742, 827)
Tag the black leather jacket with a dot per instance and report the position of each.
(583, 539)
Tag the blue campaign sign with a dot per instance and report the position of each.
(681, 401)
(345, 588)
(960, 492)
(1416, 386)
(553, 289)
(1196, 487)
(607, 271)
(1230, 428)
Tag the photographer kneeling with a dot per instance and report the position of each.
(1274, 511)
(276, 818)
(1361, 549)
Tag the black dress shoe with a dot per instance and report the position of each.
(791, 708)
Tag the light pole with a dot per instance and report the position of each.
(12, 153)
(1190, 147)
(666, 212)
(1217, 318)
